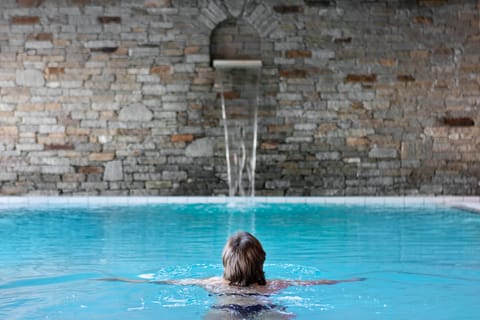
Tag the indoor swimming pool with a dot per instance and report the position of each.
(419, 261)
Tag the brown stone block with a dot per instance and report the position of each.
(444, 51)
(164, 69)
(31, 107)
(275, 128)
(405, 78)
(202, 81)
(343, 40)
(101, 156)
(52, 72)
(172, 53)
(357, 142)
(192, 50)
(8, 131)
(107, 19)
(299, 54)
(230, 95)
(78, 131)
(181, 138)
(5, 115)
(419, 54)
(361, 78)
(59, 147)
(284, 9)
(13, 190)
(441, 85)
(358, 105)
(388, 62)
(40, 37)
(269, 145)
(423, 20)
(25, 20)
(51, 139)
(90, 169)
(158, 184)
(459, 122)
(133, 132)
(293, 73)
(61, 43)
(53, 106)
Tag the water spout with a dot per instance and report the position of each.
(237, 64)
(240, 128)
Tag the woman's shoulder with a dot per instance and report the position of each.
(201, 281)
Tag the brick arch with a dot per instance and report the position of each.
(261, 17)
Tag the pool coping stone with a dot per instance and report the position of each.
(470, 203)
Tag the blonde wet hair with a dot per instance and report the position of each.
(243, 258)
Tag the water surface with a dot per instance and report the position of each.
(421, 262)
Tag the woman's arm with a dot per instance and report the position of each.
(320, 282)
(136, 280)
(181, 282)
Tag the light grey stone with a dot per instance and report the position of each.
(95, 44)
(30, 78)
(113, 171)
(38, 45)
(135, 112)
(8, 176)
(382, 153)
(154, 90)
(203, 147)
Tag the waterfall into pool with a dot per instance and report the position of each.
(238, 83)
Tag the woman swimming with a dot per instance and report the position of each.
(243, 292)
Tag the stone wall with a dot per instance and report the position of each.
(117, 97)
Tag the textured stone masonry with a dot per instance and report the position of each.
(118, 97)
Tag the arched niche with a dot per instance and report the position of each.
(235, 39)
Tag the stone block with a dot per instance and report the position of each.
(56, 169)
(154, 90)
(8, 131)
(377, 152)
(198, 58)
(293, 54)
(162, 70)
(181, 138)
(405, 78)
(30, 78)
(143, 52)
(109, 19)
(293, 73)
(113, 171)
(25, 20)
(101, 156)
(174, 175)
(8, 176)
(354, 78)
(322, 156)
(38, 45)
(200, 148)
(288, 9)
(135, 112)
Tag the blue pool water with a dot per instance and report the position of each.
(421, 262)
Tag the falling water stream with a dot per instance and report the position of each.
(239, 86)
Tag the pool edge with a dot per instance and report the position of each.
(471, 203)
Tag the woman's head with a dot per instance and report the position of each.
(243, 258)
